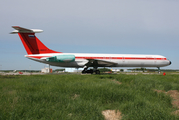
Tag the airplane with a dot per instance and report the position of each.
(37, 51)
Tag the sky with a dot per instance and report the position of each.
(90, 26)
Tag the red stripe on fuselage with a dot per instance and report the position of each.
(121, 58)
(103, 58)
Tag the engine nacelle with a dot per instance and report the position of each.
(61, 58)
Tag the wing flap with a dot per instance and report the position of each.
(100, 63)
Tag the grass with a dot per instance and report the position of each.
(86, 96)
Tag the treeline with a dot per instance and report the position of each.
(28, 70)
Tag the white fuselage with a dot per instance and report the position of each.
(119, 60)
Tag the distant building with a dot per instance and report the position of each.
(46, 70)
(69, 69)
(73, 70)
(121, 70)
(77, 71)
(115, 70)
(126, 70)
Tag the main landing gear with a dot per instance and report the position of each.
(95, 70)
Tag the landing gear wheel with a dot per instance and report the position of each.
(83, 72)
(87, 71)
(97, 72)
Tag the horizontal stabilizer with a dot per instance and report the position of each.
(24, 30)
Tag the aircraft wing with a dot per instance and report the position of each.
(100, 63)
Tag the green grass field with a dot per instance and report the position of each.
(84, 97)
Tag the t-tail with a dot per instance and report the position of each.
(31, 43)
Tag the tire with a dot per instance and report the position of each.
(91, 71)
(97, 72)
(83, 72)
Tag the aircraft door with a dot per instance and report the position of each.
(123, 61)
(155, 61)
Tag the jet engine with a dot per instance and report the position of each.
(61, 58)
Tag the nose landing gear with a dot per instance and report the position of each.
(158, 70)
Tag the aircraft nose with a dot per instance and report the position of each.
(170, 63)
